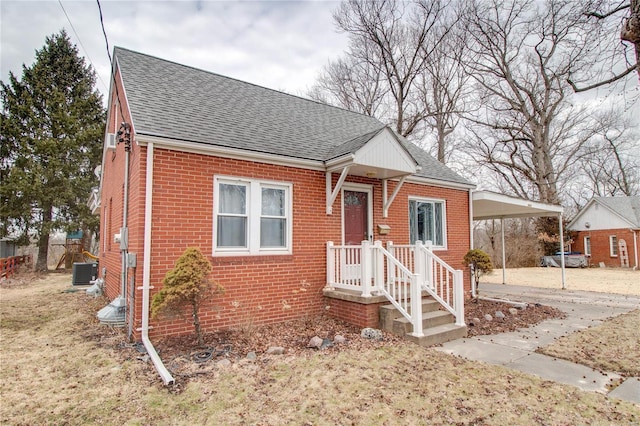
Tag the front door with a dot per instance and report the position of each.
(356, 214)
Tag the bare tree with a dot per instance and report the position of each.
(525, 129)
(443, 86)
(613, 165)
(625, 53)
(353, 82)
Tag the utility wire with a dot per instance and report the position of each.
(86, 52)
(113, 74)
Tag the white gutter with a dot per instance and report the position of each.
(146, 273)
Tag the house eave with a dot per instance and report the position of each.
(226, 152)
(440, 183)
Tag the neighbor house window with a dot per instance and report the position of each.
(252, 216)
(427, 221)
(587, 246)
(613, 245)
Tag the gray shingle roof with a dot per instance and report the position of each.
(627, 207)
(184, 103)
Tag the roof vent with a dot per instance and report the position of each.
(110, 141)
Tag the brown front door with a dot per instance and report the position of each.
(355, 217)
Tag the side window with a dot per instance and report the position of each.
(613, 245)
(252, 217)
(587, 246)
(427, 221)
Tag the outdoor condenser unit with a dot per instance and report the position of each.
(84, 272)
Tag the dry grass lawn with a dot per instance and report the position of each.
(603, 280)
(613, 346)
(60, 367)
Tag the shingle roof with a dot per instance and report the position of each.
(179, 102)
(627, 207)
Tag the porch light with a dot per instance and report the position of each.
(371, 174)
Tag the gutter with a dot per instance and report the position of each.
(146, 273)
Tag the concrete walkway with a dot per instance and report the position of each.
(517, 349)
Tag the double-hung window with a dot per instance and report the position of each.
(252, 216)
(587, 246)
(613, 245)
(427, 221)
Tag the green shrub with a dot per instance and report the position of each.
(480, 263)
(187, 284)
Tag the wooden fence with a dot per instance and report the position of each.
(9, 265)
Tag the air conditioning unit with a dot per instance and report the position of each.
(110, 141)
(83, 273)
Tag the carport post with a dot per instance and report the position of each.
(504, 274)
(561, 249)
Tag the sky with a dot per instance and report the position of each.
(282, 45)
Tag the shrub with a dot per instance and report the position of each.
(187, 284)
(480, 263)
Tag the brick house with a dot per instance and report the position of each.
(301, 207)
(608, 231)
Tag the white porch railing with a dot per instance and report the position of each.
(400, 273)
(437, 278)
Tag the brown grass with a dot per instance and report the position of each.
(60, 367)
(603, 280)
(613, 346)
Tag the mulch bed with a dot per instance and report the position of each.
(477, 325)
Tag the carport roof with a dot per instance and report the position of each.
(491, 205)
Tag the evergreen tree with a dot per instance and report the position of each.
(51, 131)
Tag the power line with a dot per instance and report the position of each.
(113, 74)
(86, 52)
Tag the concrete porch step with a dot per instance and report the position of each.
(388, 313)
(440, 334)
(438, 325)
(402, 326)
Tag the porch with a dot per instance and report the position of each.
(405, 289)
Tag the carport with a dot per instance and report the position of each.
(488, 205)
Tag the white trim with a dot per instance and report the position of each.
(225, 152)
(444, 218)
(358, 187)
(613, 245)
(387, 201)
(333, 194)
(439, 183)
(253, 214)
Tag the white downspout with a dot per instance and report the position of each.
(635, 249)
(146, 273)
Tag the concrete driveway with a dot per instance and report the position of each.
(516, 349)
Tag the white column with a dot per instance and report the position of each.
(504, 258)
(562, 250)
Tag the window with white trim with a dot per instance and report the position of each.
(427, 221)
(613, 245)
(587, 246)
(252, 216)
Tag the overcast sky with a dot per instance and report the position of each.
(278, 44)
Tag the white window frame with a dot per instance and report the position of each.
(587, 245)
(613, 246)
(254, 215)
(444, 218)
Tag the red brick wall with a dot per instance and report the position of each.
(354, 313)
(259, 289)
(600, 247)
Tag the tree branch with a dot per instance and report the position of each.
(577, 89)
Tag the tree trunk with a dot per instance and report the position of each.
(43, 241)
(196, 325)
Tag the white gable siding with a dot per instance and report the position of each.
(600, 218)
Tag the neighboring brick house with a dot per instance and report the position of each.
(608, 231)
(260, 181)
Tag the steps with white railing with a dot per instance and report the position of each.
(438, 325)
